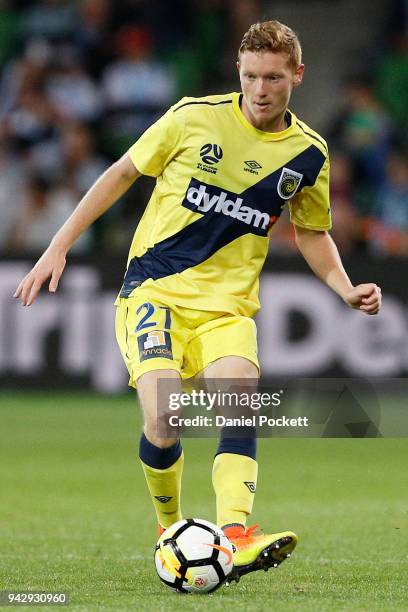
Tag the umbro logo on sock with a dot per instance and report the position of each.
(163, 498)
(251, 485)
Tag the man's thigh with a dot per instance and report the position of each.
(223, 346)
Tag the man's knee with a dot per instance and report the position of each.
(155, 438)
(233, 367)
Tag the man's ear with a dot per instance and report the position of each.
(238, 65)
(298, 76)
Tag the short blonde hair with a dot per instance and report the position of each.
(275, 37)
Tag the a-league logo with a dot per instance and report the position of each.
(288, 183)
(211, 154)
(155, 343)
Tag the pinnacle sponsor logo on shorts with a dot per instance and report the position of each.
(155, 343)
(204, 198)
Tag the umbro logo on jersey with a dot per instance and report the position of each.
(210, 154)
(204, 198)
(250, 485)
(163, 498)
(288, 183)
(252, 166)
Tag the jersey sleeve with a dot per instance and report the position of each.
(311, 207)
(158, 144)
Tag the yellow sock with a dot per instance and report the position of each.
(164, 487)
(234, 481)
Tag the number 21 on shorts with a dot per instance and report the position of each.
(147, 310)
(154, 343)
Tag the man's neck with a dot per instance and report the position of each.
(278, 124)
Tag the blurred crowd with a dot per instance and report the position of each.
(368, 143)
(81, 80)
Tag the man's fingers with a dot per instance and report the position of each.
(26, 288)
(367, 301)
(56, 275)
(30, 287)
(370, 308)
(372, 311)
(366, 290)
(366, 298)
(35, 289)
(373, 307)
(19, 288)
(366, 294)
(51, 264)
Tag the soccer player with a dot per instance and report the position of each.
(225, 167)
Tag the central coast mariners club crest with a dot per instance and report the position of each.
(155, 343)
(288, 183)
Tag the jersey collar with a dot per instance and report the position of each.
(236, 97)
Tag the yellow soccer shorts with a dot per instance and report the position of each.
(154, 336)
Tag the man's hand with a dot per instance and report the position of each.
(51, 263)
(366, 298)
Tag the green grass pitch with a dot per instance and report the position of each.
(75, 515)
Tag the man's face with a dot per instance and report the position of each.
(267, 81)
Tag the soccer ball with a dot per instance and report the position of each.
(193, 556)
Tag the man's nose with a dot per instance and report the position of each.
(260, 87)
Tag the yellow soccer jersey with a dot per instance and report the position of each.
(221, 185)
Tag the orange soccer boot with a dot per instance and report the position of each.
(254, 550)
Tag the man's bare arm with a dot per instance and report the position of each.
(322, 255)
(109, 187)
